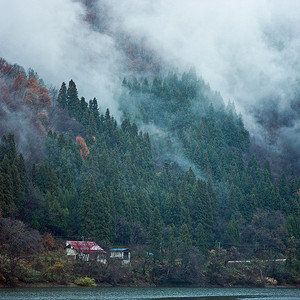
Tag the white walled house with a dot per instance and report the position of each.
(86, 251)
(122, 254)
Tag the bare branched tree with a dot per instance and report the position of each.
(17, 241)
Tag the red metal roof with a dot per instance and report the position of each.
(85, 247)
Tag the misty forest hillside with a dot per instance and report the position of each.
(158, 161)
(71, 170)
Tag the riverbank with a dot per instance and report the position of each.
(51, 268)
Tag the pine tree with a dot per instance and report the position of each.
(184, 235)
(6, 188)
(56, 215)
(200, 237)
(202, 206)
(73, 102)
(174, 211)
(88, 199)
(103, 217)
(145, 86)
(11, 151)
(62, 96)
(16, 183)
(156, 233)
(185, 243)
(234, 232)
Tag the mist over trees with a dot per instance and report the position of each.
(249, 52)
(159, 161)
(113, 183)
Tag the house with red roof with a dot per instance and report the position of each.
(86, 251)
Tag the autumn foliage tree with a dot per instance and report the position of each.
(37, 95)
(84, 150)
(19, 83)
(5, 67)
(14, 81)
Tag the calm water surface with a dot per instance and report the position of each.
(124, 293)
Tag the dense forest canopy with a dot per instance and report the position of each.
(175, 171)
(190, 182)
(105, 180)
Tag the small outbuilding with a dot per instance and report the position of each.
(86, 251)
(122, 254)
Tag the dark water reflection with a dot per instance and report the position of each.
(207, 298)
(158, 293)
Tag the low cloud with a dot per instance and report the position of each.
(248, 50)
(52, 37)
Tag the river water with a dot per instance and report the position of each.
(158, 293)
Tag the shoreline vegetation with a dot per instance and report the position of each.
(107, 285)
(52, 268)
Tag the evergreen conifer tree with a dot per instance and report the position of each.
(73, 102)
(62, 96)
